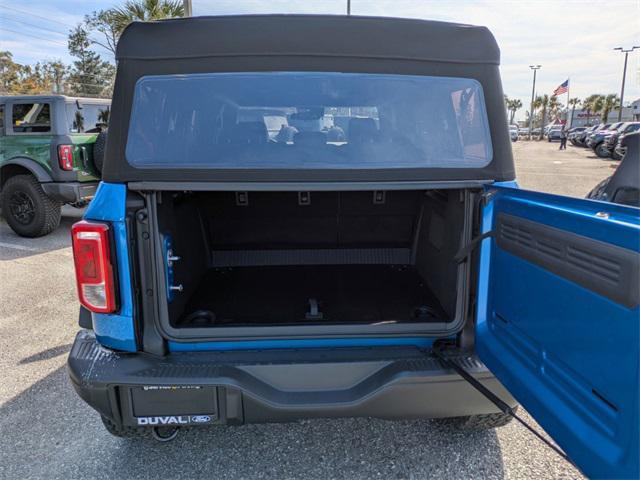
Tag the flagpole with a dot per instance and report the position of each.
(568, 87)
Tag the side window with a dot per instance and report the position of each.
(87, 118)
(1, 120)
(31, 117)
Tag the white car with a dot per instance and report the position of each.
(513, 132)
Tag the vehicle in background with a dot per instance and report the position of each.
(595, 138)
(623, 186)
(535, 133)
(227, 278)
(611, 140)
(584, 136)
(554, 133)
(573, 132)
(50, 155)
(523, 132)
(513, 132)
(620, 149)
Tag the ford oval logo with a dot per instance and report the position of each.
(201, 419)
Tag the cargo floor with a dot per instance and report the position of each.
(304, 295)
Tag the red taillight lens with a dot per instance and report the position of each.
(94, 270)
(65, 157)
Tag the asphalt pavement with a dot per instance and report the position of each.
(46, 431)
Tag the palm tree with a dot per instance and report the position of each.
(513, 106)
(109, 24)
(145, 11)
(593, 104)
(554, 107)
(610, 102)
(573, 103)
(542, 102)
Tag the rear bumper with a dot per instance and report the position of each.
(70, 192)
(271, 386)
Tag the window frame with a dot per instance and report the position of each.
(65, 116)
(3, 129)
(477, 84)
(9, 118)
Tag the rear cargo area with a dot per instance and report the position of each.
(311, 258)
(324, 294)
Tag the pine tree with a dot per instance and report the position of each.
(89, 75)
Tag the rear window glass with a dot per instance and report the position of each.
(31, 117)
(308, 120)
(86, 118)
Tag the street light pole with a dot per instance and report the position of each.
(348, 7)
(533, 95)
(188, 9)
(624, 75)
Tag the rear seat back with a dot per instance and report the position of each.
(290, 220)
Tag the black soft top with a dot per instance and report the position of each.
(323, 35)
(306, 43)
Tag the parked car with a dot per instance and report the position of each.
(611, 139)
(595, 129)
(513, 133)
(523, 131)
(554, 133)
(47, 157)
(226, 278)
(581, 137)
(624, 185)
(620, 149)
(573, 133)
(596, 138)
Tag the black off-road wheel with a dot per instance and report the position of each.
(124, 432)
(27, 209)
(479, 422)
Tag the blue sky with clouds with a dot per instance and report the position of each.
(568, 38)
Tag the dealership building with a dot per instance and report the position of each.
(582, 118)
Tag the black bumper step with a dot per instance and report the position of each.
(273, 384)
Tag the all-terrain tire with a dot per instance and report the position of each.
(601, 151)
(480, 422)
(27, 209)
(123, 432)
(99, 147)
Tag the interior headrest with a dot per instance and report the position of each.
(249, 132)
(310, 138)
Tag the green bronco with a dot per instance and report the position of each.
(51, 151)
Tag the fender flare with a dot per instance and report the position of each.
(34, 167)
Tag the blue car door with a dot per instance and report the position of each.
(558, 321)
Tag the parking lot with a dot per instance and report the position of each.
(48, 432)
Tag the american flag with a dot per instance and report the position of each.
(563, 88)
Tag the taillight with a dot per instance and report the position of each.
(94, 270)
(65, 157)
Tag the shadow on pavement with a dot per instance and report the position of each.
(49, 432)
(12, 246)
(46, 354)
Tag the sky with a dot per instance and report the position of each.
(570, 38)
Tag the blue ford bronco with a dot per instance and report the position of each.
(316, 216)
